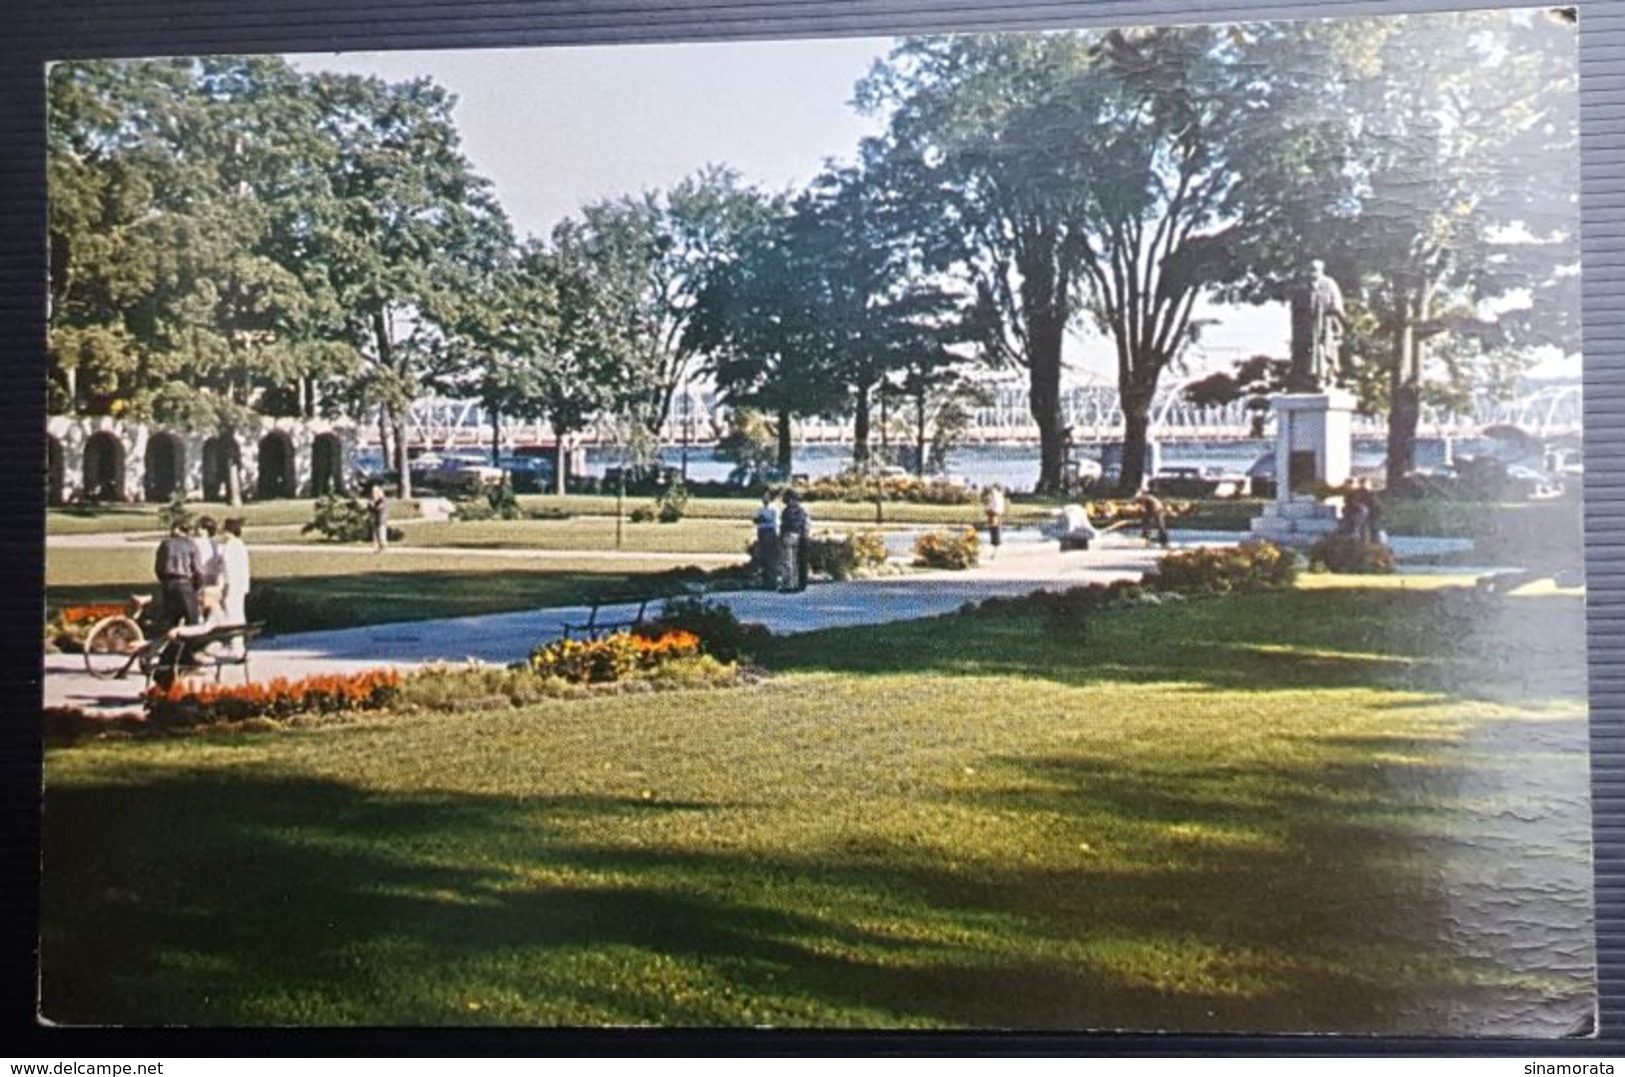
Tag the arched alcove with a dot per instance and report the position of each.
(276, 467)
(55, 471)
(220, 456)
(104, 468)
(164, 475)
(326, 465)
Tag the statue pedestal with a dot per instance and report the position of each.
(1313, 449)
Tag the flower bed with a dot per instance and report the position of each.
(613, 658)
(280, 698)
(947, 549)
(1252, 566)
(66, 631)
(841, 557)
(1346, 553)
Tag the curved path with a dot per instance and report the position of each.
(1024, 564)
(1018, 568)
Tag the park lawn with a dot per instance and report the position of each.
(142, 518)
(344, 587)
(1291, 812)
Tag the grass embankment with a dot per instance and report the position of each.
(325, 588)
(1299, 811)
(103, 519)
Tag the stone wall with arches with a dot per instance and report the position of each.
(109, 460)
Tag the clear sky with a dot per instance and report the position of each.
(555, 128)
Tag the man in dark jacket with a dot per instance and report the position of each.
(795, 528)
(178, 572)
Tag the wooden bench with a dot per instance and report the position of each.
(212, 648)
(593, 627)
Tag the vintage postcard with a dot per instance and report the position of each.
(1073, 530)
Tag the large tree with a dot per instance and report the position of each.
(407, 235)
(763, 328)
(1468, 193)
(1076, 173)
(178, 295)
(650, 256)
(1432, 162)
(876, 313)
(565, 354)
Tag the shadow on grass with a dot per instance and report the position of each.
(1453, 641)
(317, 603)
(215, 898)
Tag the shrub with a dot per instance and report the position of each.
(268, 604)
(856, 486)
(491, 501)
(721, 634)
(474, 686)
(338, 519)
(1346, 553)
(180, 704)
(671, 505)
(841, 557)
(947, 549)
(1104, 513)
(613, 658)
(67, 628)
(1252, 566)
(175, 512)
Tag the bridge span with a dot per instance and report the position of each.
(1092, 413)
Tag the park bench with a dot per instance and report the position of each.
(594, 626)
(213, 648)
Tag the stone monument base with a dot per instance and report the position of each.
(1295, 523)
(1313, 453)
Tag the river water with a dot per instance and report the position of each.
(1015, 467)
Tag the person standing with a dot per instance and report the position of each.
(1373, 514)
(176, 566)
(795, 528)
(1153, 518)
(236, 579)
(378, 519)
(993, 505)
(210, 565)
(767, 539)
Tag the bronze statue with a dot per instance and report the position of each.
(1317, 332)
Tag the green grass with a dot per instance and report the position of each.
(1278, 812)
(327, 588)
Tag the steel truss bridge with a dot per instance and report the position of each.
(1545, 410)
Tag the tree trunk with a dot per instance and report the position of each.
(919, 435)
(860, 429)
(1044, 392)
(1405, 401)
(234, 470)
(784, 441)
(496, 436)
(1136, 427)
(560, 456)
(398, 428)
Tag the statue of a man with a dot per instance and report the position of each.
(1317, 331)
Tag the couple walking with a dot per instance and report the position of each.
(782, 542)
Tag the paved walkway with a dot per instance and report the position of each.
(1018, 568)
(1023, 565)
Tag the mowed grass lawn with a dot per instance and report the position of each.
(1313, 810)
(298, 591)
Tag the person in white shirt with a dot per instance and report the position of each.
(208, 553)
(236, 578)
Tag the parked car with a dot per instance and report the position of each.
(528, 474)
(1197, 482)
(453, 472)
